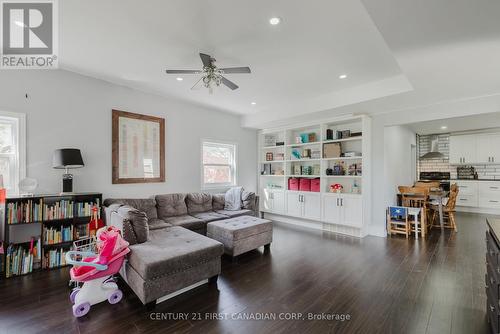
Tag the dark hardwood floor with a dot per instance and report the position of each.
(389, 285)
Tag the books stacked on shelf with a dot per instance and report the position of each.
(24, 212)
(57, 235)
(54, 258)
(58, 210)
(82, 231)
(84, 209)
(20, 260)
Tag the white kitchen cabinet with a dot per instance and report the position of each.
(343, 209)
(273, 201)
(467, 187)
(312, 205)
(303, 204)
(488, 148)
(479, 194)
(463, 149)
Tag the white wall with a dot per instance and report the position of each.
(65, 109)
(399, 160)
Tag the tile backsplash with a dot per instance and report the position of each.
(490, 171)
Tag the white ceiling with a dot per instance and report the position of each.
(295, 65)
(399, 55)
(457, 124)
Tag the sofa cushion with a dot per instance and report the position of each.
(147, 205)
(137, 219)
(170, 205)
(157, 223)
(248, 200)
(172, 250)
(199, 202)
(236, 213)
(186, 221)
(218, 201)
(209, 216)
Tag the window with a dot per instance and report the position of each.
(218, 164)
(12, 165)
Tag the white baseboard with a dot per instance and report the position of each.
(478, 210)
(316, 225)
(178, 292)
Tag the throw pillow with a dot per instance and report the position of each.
(138, 220)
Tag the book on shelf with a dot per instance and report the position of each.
(62, 209)
(24, 212)
(84, 209)
(20, 259)
(54, 235)
(54, 258)
(82, 231)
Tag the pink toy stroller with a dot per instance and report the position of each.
(97, 270)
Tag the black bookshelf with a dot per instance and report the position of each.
(20, 220)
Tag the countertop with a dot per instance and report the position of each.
(488, 180)
(494, 224)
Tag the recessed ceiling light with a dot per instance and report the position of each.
(342, 76)
(253, 103)
(179, 79)
(444, 127)
(275, 21)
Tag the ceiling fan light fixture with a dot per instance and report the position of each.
(275, 20)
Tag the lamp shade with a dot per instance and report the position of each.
(67, 158)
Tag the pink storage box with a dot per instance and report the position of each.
(293, 184)
(315, 185)
(305, 185)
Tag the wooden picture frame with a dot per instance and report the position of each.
(136, 139)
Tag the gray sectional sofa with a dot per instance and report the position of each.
(169, 249)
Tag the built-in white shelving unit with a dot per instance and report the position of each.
(344, 212)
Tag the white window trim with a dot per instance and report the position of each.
(235, 165)
(20, 145)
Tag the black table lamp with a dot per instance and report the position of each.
(67, 158)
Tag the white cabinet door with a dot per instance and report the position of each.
(266, 200)
(312, 205)
(352, 211)
(462, 149)
(484, 146)
(331, 209)
(495, 151)
(279, 202)
(293, 204)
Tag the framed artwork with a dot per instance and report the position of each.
(138, 148)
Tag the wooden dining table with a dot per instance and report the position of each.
(436, 195)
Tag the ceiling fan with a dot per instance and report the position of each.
(212, 75)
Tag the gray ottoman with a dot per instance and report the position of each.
(241, 234)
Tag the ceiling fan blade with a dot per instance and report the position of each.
(183, 71)
(196, 86)
(236, 70)
(206, 60)
(229, 83)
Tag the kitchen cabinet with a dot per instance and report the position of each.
(488, 148)
(303, 204)
(478, 194)
(273, 201)
(463, 149)
(343, 209)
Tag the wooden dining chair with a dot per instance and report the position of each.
(430, 185)
(417, 197)
(448, 210)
